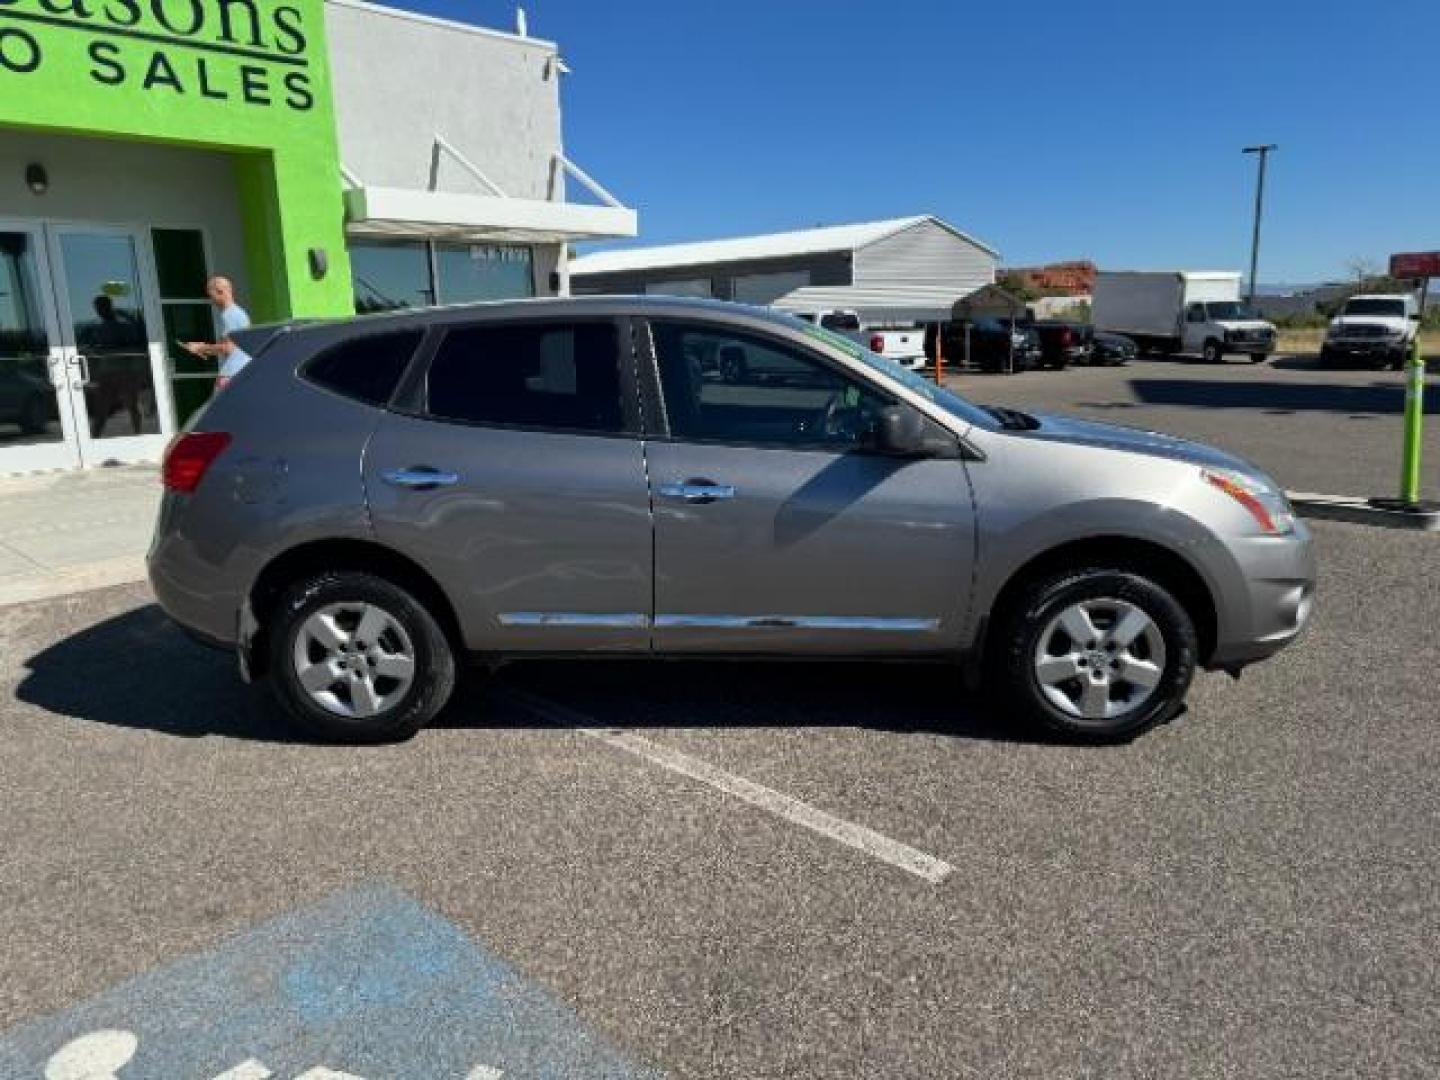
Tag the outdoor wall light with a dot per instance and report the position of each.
(36, 178)
(319, 262)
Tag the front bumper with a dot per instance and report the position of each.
(1252, 347)
(1272, 603)
(1368, 347)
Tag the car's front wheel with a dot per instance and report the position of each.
(1097, 654)
(355, 658)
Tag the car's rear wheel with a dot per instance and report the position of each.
(1257, 358)
(1213, 352)
(1097, 654)
(355, 658)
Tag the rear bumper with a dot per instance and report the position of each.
(187, 587)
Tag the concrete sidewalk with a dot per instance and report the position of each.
(62, 532)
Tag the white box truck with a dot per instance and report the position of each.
(1181, 311)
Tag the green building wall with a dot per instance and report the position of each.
(249, 77)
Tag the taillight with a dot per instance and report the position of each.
(877, 343)
(189, 457)
(1066, 337)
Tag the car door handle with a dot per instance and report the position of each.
(697, 491)
(421, 478)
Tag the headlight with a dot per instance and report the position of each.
(1264, 502)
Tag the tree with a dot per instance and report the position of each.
(1017, 286)
(1362, 270)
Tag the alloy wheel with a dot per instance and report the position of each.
(1099, 660)
(354, 660)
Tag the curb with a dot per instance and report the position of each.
(1362, 512)
(122, 570)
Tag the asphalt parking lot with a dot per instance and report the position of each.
(1335, 432)
(701, 870)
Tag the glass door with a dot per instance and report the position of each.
(109, 322)
(37, 423)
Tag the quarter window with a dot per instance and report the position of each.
(532, 375)
(366, 368)
(726, 387)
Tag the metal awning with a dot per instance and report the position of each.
(373, 210)
(903, 302)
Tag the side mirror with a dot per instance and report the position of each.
(901, 431)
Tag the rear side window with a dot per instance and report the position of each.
(365, 368)
(561, 376)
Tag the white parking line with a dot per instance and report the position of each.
(872, 843)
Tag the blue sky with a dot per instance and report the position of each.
(1108, 129)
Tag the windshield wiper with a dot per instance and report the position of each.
(1012, 419)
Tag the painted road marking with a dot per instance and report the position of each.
(365, 985)
(96, 1056)
(876, 845)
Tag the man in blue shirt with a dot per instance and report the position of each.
(233, 317)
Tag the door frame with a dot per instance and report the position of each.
(127, 448)
(64, 453)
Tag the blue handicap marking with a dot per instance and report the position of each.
(366, 985)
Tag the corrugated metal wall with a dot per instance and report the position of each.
(925, 254)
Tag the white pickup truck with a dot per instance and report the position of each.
(905, 345)
(1376, 330)
(1180, 311)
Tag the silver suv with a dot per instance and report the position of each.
(373, 500)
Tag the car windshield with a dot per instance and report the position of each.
(1394, 308)
(1230, 309)
(954, 404)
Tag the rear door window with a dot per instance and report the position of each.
(552, 376)
(365, 368)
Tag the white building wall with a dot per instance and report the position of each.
(401, 78)
(113, 182)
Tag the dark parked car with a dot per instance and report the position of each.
(993, 343)
(1112, 349)
(1062, 343)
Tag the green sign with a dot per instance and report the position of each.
(246, 76)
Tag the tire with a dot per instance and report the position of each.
(1213, 352)
(399, 627)
(1163, 653)
(1257, 358)
(1327, 358)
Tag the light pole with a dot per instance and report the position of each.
(1264, 152)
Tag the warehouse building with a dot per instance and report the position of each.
(904, 270)
(327, 155)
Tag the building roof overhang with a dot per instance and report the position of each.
(403, 213)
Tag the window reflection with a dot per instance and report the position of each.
(102, 280)
(470, 272)
(393, 275)
(28, 412)
(390, 276)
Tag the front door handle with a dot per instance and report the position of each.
(421, 478)
(697, 491)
